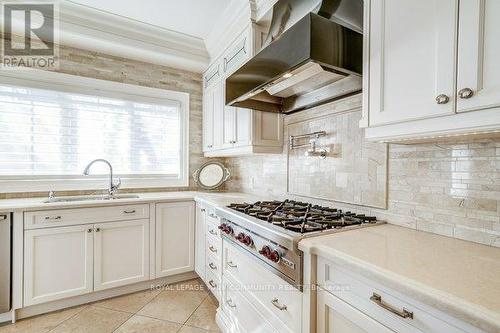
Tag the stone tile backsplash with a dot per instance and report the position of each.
(452, 189)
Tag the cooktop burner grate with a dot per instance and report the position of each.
(301, 217)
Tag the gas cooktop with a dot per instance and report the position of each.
(301, 217)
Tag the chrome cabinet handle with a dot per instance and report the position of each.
(210, 146)
(231, 264)
(230, 303)
(442, 99)
(97, 229)
(129, 211)
(3, 217)
(277, 304)
(377, 299)
(53, 217)
(213, 249)
(465, 93)
(212, 232)
(89, 230)
(212, 215)
(212, 266)
(212, 283)
(203, 210)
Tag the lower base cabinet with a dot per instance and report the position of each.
(121, 252)
(58, 263)
(71, 261)
(336, 316)
(175, 223)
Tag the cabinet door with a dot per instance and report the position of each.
(57, 263)
(121, 253)
(336, 316)
(228, 135)
(412, 59)
(478, 53)
(218, 112)
(199, 242)
(208, 119)
(243, 125)
(174, 238)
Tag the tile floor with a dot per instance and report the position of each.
(185, 307)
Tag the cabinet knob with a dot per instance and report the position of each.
(89, 230)
(97, 229)
(465, 93)
(442, 99)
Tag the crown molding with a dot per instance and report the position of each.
(95, 30)
(237, 16)
(92, 29)
(261, 8)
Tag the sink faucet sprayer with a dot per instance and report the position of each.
(113, 188)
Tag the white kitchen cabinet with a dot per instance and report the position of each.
(58, 263)
(121, 252)
(478, 53)
(336, 316)
(199, 241)
(232, 131)
(411, 54)
(175, 247)
(427, 65)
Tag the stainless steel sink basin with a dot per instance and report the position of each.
(92, 197)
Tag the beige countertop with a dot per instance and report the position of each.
(212, 198)
(457, 277)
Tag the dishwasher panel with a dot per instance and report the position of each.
(5, 262)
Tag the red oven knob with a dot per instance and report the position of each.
(228, 230)
(265, 251)
(240, 237)
(274, 256)
(247, 240)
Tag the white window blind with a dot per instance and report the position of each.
(50, 132)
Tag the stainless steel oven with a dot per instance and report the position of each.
(5, 262)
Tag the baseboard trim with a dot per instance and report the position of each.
(100, 295)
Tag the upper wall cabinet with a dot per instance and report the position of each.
(428, 65)
(232, 131)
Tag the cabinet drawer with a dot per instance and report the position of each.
(281, 302)
(214, 265)
(214, 247)
(214, 284)
(213, 227)
(362, 294)
(62, 217)
(244, 316)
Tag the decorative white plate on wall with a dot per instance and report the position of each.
(211, 175)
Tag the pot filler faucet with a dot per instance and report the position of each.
(113, 188)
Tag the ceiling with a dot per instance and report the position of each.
(191, 17)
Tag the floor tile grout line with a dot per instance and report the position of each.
(192, 313)
(83, 307)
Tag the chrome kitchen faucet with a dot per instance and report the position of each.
(113, 188)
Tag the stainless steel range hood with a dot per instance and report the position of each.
(316, 60)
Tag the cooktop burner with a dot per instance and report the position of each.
(301, 217)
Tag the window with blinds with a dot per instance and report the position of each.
(51, 132)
